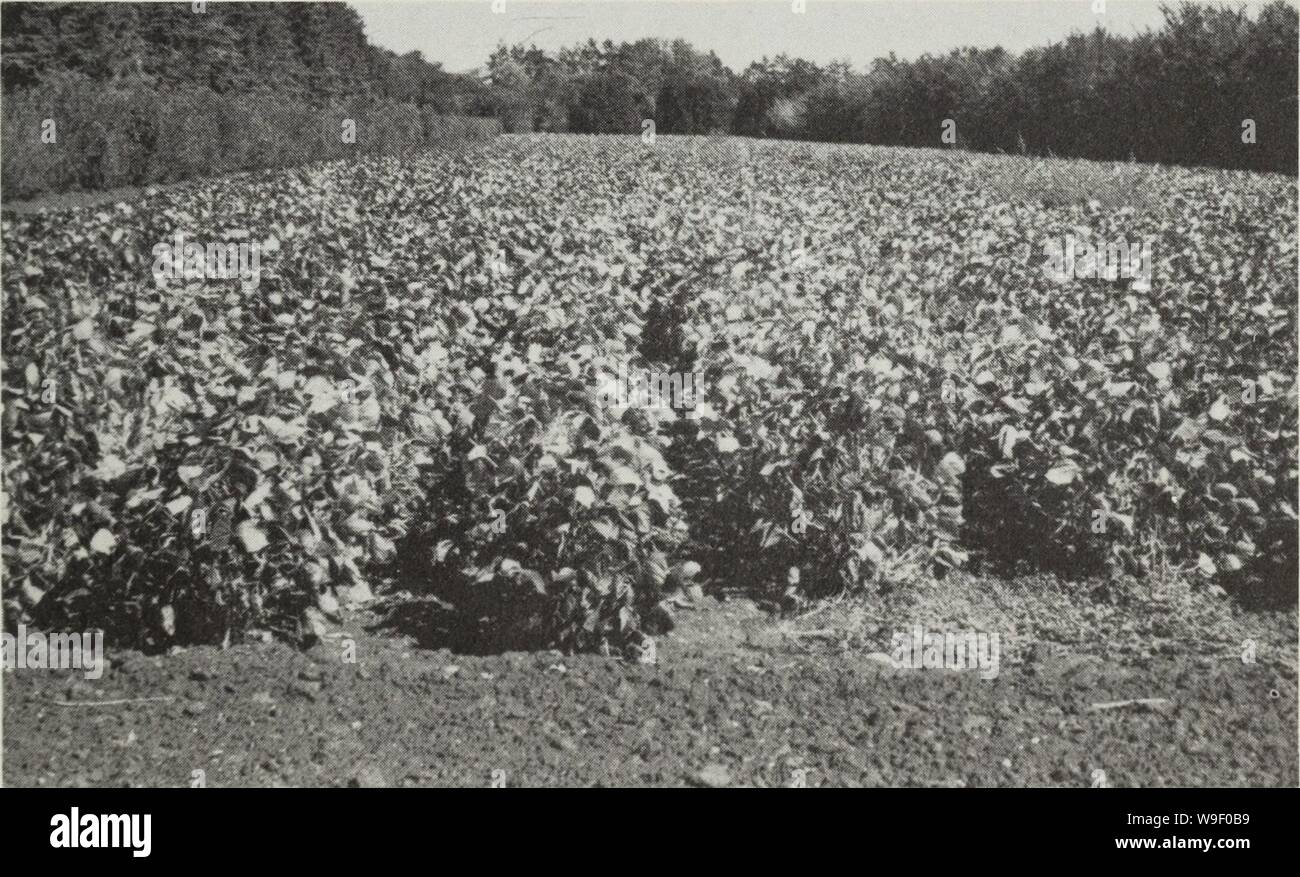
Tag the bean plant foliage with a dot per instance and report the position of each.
(413, 395)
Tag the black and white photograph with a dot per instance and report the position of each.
(650, 393)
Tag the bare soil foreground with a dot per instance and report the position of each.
(1083, 696)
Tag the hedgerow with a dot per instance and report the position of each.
(90, 136)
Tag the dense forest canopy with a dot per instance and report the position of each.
(311, 50)
(105, 95)
(1183, 94)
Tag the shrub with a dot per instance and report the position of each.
(111, 136)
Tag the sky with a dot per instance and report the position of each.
(462, 33)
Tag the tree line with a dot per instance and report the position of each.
(311, 51)
(1211, 86)
(105, 95)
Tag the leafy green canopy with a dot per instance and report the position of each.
(412, 394)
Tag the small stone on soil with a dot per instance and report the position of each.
(368, 777)
(307, 690)
(714, 776)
